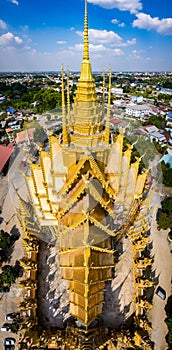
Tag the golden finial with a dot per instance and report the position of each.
(110, 83)
(68, 95)
(86, 45)
(107, 130)
(63, 97)
(64, 128)
(103, 89)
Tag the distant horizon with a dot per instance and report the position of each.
(128, 35)
(78, 71)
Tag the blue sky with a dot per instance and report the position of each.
(129, 35)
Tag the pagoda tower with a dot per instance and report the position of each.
(89, 190)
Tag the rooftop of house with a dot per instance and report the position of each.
(139, 107)
(5, 154)
(167, 158)
(151, 128)
(23, 136)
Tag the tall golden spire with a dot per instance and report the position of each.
(86, 71)
(103, 89)
(86, 119)
(64, 126)
(107, 130)
(86, 44)
(68, 95)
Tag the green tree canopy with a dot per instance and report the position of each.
(39, 135)
(164, 220)
(7, 275)
(158, 121)
(165, 170)
(4, 240)
(167, 204)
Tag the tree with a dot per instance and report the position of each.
(142, 148)
(158, 121)
(7, 275)
(14, 327)
(4, 240)
(164, 220)
(47, 100)
(39, 135)
(3, 116)
(167, 204)
(169, 325)
(165, 173)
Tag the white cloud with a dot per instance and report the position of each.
(124, 5)
(97, 50)
(3, 25)
(8, 39)
(131, 42)
(29, 59)
(122, 25)
(127, 43)
(118, 52)
(162, 26)
(114, 21)
(93, 48)
(102, 36)
(60, 42)
(138, 55)
(15, 2)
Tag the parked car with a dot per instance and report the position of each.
(9, 341)
(161, 293)
(5, 290)
(6, 327)
(12, 316)
(9, 347)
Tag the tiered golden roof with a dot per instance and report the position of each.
(79, 185)
(88, 189)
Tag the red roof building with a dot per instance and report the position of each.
(5, 154)
(25, 136)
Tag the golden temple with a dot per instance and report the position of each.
(87, 188)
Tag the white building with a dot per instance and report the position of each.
(117, 91)
(138, 99)
(157, 136)
(138, 111)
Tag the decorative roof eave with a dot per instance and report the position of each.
(99, 249)
(69, 202)
(94, 169)
(102, 227)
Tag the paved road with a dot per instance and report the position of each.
(162, 266)
(9, 301)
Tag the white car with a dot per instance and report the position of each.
(12, 316)
(9, 341)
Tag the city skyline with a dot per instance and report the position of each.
(128, 35)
